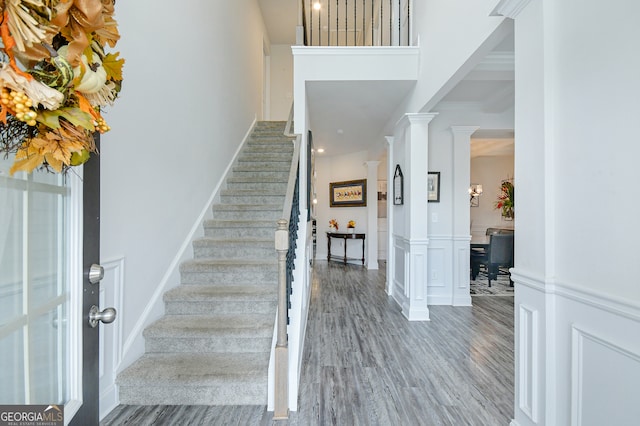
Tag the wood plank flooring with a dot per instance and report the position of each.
(365, 364)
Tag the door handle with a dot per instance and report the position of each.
(107, 316)
(96, 273)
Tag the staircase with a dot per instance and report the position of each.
(213, 344)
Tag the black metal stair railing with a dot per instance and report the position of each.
(356, 22)
(293, 239)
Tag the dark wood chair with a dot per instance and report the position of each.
(497, 260)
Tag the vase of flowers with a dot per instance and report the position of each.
(351, 226)
(333, 225)
(505, 200)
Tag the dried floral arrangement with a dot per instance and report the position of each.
(55, 76)
(333, 224)
(351, 224)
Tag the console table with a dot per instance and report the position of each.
(344, 237)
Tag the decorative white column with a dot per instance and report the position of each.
(409, 250)
(461, 213)
(390, 230)
(372, 214)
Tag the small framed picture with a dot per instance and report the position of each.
(433, 187)
(351, 193)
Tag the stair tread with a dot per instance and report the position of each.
(235, 223)
(252, 192)
(234, 262)
(230, 206)
(223, 240)
(199, 293)
(190, 326)
(198, 369)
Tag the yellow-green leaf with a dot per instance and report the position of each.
(75, 116)
(113, 66)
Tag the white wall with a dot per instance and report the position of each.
(336, 169)
(577, 294)
(489, 171)
(450, 33)
(281, 81)
(192, 88)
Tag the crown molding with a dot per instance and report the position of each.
(509, 8)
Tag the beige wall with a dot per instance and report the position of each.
(489, 171)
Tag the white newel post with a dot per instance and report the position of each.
(372, 214)
(461, 213)
(415, 177)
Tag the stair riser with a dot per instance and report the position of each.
(228, 278)
(247, 215)
(252, 199)
(261, 168)
(220, 307)
(241, 393)
(220, 232)
(259, 186)
(249, 344)
(264, 157)
(256, 148)
(257, 174)
(248, 250)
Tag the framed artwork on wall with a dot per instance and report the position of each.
(349, 193)
(398, 186)
(433, 187)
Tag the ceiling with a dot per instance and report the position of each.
(350, 116)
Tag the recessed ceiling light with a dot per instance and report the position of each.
(317, 5)
(320, 150)
(340, 131)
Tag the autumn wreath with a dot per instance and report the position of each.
(55, 76)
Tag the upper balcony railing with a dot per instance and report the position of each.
(356, 22)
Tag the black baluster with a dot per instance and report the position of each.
(390, 22)
(363, 21)
(328, 23)
(319, 27)
(408, 23)
(337, 24)
(311, 19)
(372, 20)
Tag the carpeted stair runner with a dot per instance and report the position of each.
(212, 346)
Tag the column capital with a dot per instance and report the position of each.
(371, 163)
(417, 118)
(390, 140)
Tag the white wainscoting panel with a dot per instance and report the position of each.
(530, 349)
(440, 272)
(598, 341)
(461, 266)
(111, 348)
(399, 288)
(528, 367)
(605, 380)
(577, 355)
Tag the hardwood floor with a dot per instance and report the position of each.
(365, 364)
